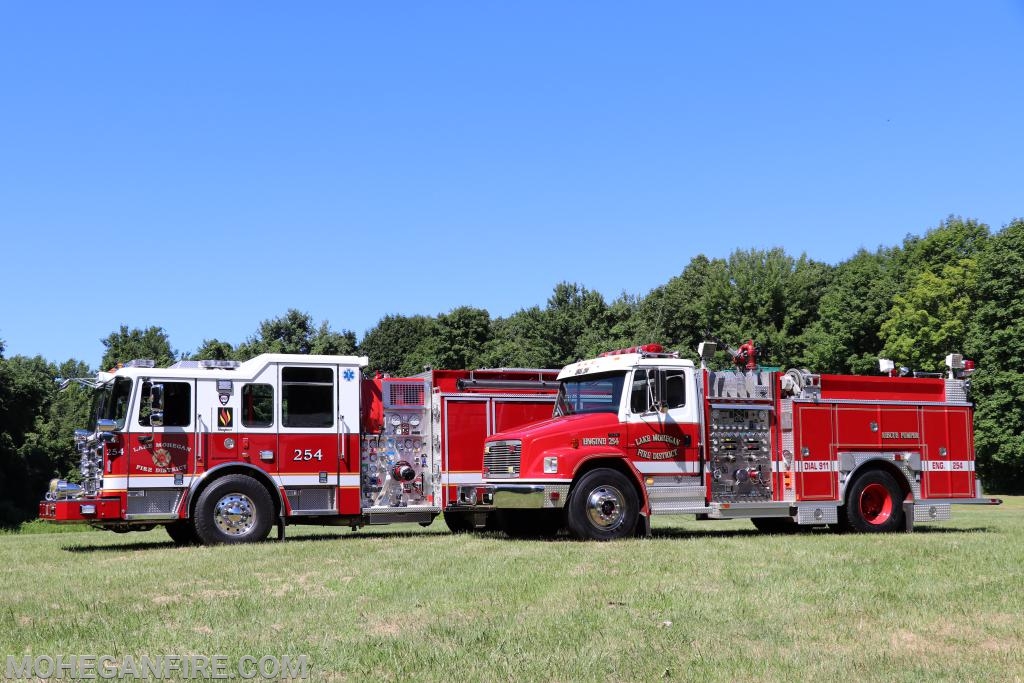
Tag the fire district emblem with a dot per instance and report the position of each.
(161, 458)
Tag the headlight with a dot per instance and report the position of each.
(551, 464)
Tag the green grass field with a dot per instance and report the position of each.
(710, 601)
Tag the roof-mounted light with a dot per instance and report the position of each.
(646, 350)
(220, 364)
(141, 363)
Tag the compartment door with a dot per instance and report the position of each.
(948, 456)
(817, 475)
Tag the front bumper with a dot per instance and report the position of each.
(535, 496)
(80, 510)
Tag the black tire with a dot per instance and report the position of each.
(874, 503)
(182, 532)
(233, 509)
(459, 522)
(530, 523)
(775, 525)
(603, 506)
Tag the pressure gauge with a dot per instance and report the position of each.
(414, 420)
(395, 420)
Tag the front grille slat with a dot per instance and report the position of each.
(501, 460)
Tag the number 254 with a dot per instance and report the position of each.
(308, 454)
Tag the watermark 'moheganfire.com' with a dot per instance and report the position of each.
(156, 667)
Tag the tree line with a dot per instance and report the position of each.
(954, 289)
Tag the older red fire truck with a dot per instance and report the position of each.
(640, 432)
(221, 451)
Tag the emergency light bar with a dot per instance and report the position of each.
(141, 363)
(646, 349)
(220, 364)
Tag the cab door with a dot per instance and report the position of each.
(661, 434)
(161, 447)
(309, 445)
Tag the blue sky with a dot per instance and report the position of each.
(205, 166)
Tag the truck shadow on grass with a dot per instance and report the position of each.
(158, 545)
(812, 531)
(656, 534)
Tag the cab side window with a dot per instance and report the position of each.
(257, 405)
(172, 399)
(641, 397)
(307, 397)
(675, 388)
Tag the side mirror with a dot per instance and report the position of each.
(106, 426)
(156, 397)
(156, 418)
(657, 396)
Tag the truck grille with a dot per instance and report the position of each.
(501, 459)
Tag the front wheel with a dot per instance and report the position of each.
(874, 503)
(603, 506)
(234, 509)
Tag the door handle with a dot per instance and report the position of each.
(266, 455)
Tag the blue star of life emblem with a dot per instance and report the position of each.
(349, 375)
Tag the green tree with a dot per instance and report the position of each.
(852, 307)
(996, 342)
(461, 338)
(129, 344)
(521, 341)
(929, 320)
(576, 322)
(391, 345)
(215, 349)
(26, 391)
(296, 332)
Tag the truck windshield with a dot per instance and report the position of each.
(110, 402)
(590, 394)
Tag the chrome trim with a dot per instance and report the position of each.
(932, 512)
(817, 514)
(605, 507)
(957, 501)
(864, 402)
(235, 514)
(519, 496)
(851, 462)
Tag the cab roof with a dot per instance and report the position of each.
(621, 363)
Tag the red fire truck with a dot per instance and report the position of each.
(640, 432)
(221, 451)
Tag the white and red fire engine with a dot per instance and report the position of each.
(221, 451)
(640, 432)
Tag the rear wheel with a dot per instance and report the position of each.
(874, 503)
(603, 506)
(234, 509)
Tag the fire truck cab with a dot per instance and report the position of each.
(641, 432)
(221, 451)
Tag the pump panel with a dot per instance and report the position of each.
(741, 453)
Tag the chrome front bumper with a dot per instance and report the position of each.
(514, 496)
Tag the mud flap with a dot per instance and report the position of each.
(280, 529)
(908, 515)
(643, 528)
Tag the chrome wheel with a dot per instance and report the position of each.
(605, 507)
(235, 514)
